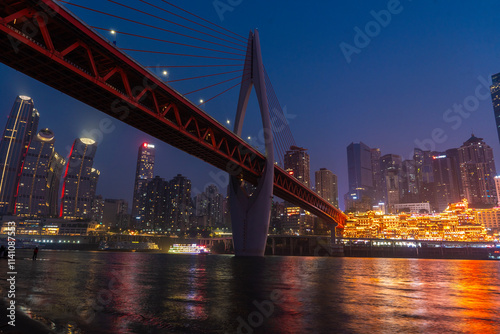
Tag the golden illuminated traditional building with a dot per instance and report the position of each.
(457, 223)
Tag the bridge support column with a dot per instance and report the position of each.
(333, 235)
(251, 212)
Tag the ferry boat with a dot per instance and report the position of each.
(24, 244)
(58, 242)
(129, 246)
(494, 255)
(189, 249)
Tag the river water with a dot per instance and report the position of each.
(108, 292)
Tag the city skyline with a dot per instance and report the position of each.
(145, 166)
(250, 166)
(435, 178)
(381, 108)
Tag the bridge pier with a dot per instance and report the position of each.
(250, 216)
(333, 235)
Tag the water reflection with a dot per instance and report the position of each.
(93, 292)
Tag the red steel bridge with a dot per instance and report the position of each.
(46, 42)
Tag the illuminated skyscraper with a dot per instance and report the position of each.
(98, 209)
(156, 211)
(208, 207)
(80, 180)
(326, 186)
(20, 129)
(297, 161)
(390, 167)
(477, 170)
(495, 98)
(39, 181)
(143, 174)
(94, 177)
(180, 203)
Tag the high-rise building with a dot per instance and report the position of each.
(453, 155)
(360, 196)
(445, 182)
(278, 212)
(294, 219)
(477, 170)
(94, 177)
(209, 204)
(200, 202)
(424, 174)
(143, 174)
(296, 161)
(376, 176)
(326, 186)
(180, 203)
(80, 180)
(227, 213)
(38, 188)
(156, 210)
(495, 98)
(98, 209)
(390, 167)
(20, 129)
(359, 166)
(497, 187)
(409, 187)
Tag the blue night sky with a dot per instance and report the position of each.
(395, 92)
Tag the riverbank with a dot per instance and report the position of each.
(388, 248)
(287, 245)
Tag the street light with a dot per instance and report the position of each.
(165, 72)
(113, 32)
(201, 101)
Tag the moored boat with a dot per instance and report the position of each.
(189, 249)
(129, 246)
